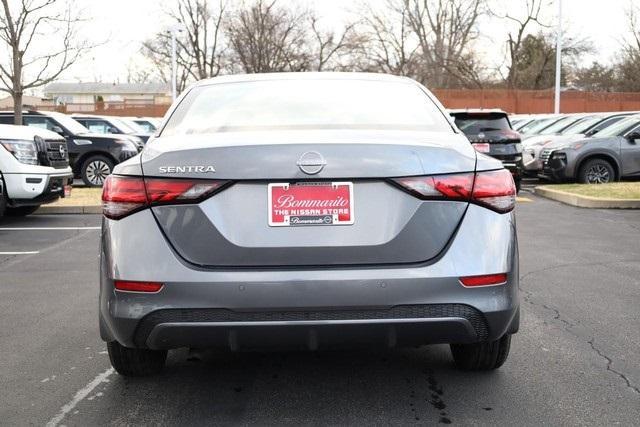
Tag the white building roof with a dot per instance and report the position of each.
(107, 88)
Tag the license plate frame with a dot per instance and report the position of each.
(288, 213)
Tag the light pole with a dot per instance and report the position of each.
(174, 60)
(556, 108)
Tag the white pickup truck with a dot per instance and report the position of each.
(34, 169)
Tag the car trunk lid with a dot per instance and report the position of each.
(232, 228)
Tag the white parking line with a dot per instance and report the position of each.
(20, 253)
(79, 396)
(46, 228)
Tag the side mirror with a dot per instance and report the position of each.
(58, 130)
(591, 132)
(112, 130)
(634, 137)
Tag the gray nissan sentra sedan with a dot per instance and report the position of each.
(308, 211)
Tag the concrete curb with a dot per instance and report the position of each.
(586, 201)
(47, 210)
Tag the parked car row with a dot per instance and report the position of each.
(95, 144)
(588, 148)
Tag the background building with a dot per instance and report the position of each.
(109, 93)
(28, 103)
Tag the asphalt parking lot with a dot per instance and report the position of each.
(575, 360)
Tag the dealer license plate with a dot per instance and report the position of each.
(304, 204)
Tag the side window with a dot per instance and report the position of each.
(111, 128)
(632, 130)
(606, 123)
(6, 120)
(145, 125)
(96, 126)
(40, 122)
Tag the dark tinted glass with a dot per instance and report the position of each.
(472, 124)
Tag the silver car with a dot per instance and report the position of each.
(308, 211)
(585, 127)
(613, 154)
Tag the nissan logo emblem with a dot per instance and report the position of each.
(311, 162)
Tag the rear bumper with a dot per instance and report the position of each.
(308, 308)
(388, 327)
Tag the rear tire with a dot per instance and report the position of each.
(596, 171)
(135, 362)
(484, 356)
(95, 170)
(21, 210)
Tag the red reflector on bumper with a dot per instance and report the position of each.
(126, 285)
(484, 280)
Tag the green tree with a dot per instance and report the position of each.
(596, 77)
(534, 64)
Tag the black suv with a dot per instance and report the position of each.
(91, 156)
(106, 124)
(490, 132)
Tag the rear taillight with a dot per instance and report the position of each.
(457, 187)
(130, 286)
(123, 195)
(510, 134)
(495, 190)
(484, 280)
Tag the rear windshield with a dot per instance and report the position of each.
(472, 124)
(305, 104)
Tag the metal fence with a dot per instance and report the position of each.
(512, 101)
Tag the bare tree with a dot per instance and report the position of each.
(387, 45)
(628, 66)
(331, 45)
(200, 48)
(158, 53)
(138, 74)
(633, 17)
(266, 37)
(515, 39)
(24, 27)
(429, 40)
(444, 30)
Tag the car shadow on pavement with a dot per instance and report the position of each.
(400, 386)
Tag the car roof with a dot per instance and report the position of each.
(10, 112)
(86, 116)
(307, 75)
(477, 111)
(35, 113)
(90, 116)
(26, 132)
